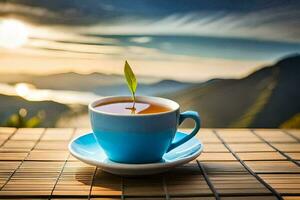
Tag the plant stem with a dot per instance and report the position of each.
(133, 105)
(133, 98)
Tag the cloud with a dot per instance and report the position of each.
(75, 47)
(261, 20)
(86, 51)
(65, 34)
(8, 8)
(272, 24)
(82, 40)
(63, 13)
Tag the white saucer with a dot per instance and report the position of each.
(86, 149)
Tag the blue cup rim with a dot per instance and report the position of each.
(174, 106)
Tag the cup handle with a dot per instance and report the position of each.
(188, 114)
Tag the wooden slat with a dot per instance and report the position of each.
(250, 198)
(261, 156)
(191, 198)
(237, 184)
(295, 156)
(36, 164)
(52, 145)
(72, 158)
(13, 156)
(76, 179)
(273, 166)
(23, 144)
(206, 136)
(144, 186)
(105, 198)
(33, 178)
(291, 197)
(223, 167)
(283, 183)
(274, 135)
(5, 133)
(6, 170)
(106, 184)
(238, 136)
(250, 147)
(215, 156)
(140, 198)
(186, 180)
(48, 155)
(58, 134)
(214, 147)
(294, 132)
(31, 134)
(287, 147)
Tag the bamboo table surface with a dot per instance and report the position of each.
(235, 164)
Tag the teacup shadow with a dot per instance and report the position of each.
(102, 181)
(189, 168)
(106, 182)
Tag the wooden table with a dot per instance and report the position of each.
(236, 164)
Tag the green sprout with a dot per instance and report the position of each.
(131, 82)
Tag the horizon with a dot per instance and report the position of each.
(185, 42)
(148, 79)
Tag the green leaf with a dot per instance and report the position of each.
(130, 78)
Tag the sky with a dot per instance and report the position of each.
(193, 40)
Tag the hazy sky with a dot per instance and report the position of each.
(186, 40)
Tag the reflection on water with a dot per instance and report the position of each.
(23, 89)
(31, 93)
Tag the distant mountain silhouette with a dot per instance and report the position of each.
(11, 104)
(266, 98)
(152, 89)
(64, 81)
(99, 83)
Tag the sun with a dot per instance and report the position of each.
(23, 89)
(13, 33)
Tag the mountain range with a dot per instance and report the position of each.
(53, 111)
(267, 98)
(98, 83)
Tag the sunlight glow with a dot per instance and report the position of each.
(31, 93)
(23, 89)
(13, 33)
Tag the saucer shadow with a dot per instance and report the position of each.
(101, 180)
(104, 181)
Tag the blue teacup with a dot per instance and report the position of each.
(140, 138)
